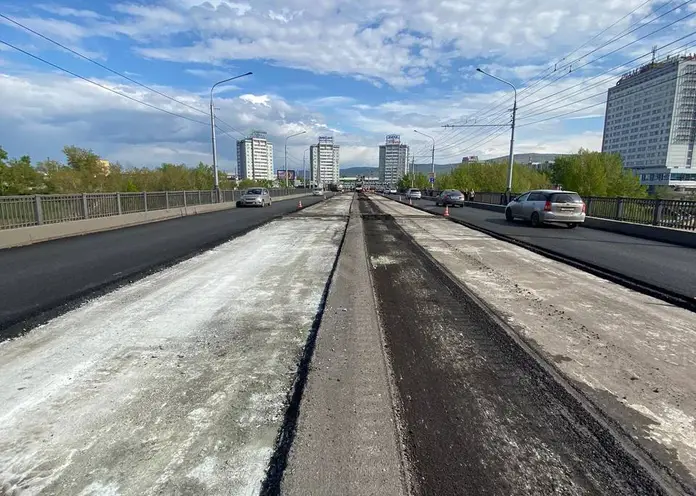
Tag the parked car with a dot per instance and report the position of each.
(318, 192)
(255, 197)
(450, 197)
(547, 206)
(413, 194)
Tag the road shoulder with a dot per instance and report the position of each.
(346, 440)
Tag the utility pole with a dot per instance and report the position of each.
(511, 164)
(212, 132)
(432, 157)
(413, 169)
(304, 174)
(286, 154)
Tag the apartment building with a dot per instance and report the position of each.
(255, 157)
(324, 158)
(393, 160)
(651, 122)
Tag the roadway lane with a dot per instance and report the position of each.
(480, 416)
(41, 277)
(662, 264)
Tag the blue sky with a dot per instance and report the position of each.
(356, 70)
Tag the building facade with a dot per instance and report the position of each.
(255, 157)
(393, 160)
(324, 158)
(650, 121)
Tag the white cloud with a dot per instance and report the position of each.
(48, 111)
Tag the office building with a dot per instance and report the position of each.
(255, 157)
(324, 161)
(651, 122)
(393, 160)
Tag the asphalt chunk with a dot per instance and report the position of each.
(482, 416)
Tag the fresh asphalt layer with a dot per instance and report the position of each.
(664, 265)
(44, 276)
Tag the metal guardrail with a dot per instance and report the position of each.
(675, 214)
(35, 210)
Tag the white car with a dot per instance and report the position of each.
(318, 192)
(393, 191)
(413, 194)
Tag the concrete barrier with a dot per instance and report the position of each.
(654, 233)
(22, 236)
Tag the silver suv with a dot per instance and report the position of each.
(413, 193)
(547, 205)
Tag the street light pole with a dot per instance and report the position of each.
(212, 131)
(432, 157)
(511, 160)
(304, 174)
(286, 154)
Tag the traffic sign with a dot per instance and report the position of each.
(432, 180)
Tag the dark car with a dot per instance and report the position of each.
(450, 197)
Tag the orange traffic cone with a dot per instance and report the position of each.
(446, 210)
(299, 204)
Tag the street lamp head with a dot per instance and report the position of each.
(478, 69)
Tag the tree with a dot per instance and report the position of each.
(88, 166)
(596, 174)
(21, 178)
(420, 181)
(4, 177)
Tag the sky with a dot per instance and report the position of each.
(355, 70)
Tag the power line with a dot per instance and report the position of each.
(116, 92)
(589, 62)
(616, 38)
(113, 71)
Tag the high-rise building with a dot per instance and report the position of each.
(255, 157)
(324, 161)
(651, 122)
(393, 160)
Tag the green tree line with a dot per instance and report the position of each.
(588, 173)
(85, 172)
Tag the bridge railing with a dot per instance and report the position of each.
(677, 214)
(35, 210)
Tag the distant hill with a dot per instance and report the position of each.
(358, 171)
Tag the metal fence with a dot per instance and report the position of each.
(677, 214)
(34, 210)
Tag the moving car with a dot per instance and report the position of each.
(393, 191)
(450, 197)
(547, 205)
(413, 194)
(318, 192)
(255, 197)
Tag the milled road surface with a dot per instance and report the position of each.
(173, 385)
(664, 265)
(633, 355)
(42, 276)
(481, 416)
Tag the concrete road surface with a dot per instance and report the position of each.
(632, 355)
(175, 384)
(346, 441)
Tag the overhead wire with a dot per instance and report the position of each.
(109, 69)
(522, 95)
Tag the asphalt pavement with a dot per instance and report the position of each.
(664, 265)
(481, 415)
(41, 278)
